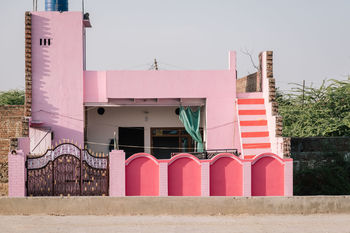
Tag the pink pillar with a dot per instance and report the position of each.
(24, 145)
(117, 173)
(17, 174)
(288, 178)
(163, 178)
(205, 179)
(247, 179)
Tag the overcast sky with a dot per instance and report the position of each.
(310, 38)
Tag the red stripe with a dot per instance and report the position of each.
(255, 134)
(252, 112)
(249, 156)
(256, 145)
(250, 101)
(253, 123)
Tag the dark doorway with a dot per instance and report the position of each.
(131, 140)
(164, 146)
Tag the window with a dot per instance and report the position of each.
(166, 141)
(45, 41)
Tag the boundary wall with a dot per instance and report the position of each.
(185, 175)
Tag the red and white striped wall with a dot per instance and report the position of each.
(252, 121)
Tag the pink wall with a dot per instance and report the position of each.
(184, 176)
(57, 96)
(226, 176)
(142, 175)
(95, 87)
(268, 176)
(218, 87)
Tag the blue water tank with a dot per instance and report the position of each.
(50, 5)
(62, 5)
(56, 5)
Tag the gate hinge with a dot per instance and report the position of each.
(26, 164)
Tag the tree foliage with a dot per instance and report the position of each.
(12, 97)
(321, 111)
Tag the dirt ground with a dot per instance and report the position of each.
(169, 224)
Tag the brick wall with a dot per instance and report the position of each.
(28, 66)
(249, 83)
(11, 126)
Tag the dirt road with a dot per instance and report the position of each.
(169, 224)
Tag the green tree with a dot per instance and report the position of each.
(12, 97)
(322, 111)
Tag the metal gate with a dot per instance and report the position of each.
(67, 170)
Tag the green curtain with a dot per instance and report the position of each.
(191, 121)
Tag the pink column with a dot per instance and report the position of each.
(205, 179)
(247, 179)
(24, 145)
(17, 174)
(288, 178)
(163, 178)
(117, 173)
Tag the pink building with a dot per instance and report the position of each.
(140, 110)
(139, 106)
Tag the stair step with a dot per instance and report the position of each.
(250, 101)
(252, 117)
(251, 107)
(256, 145)
(257, 140)
(251, 112)
(256, 151)
(254, 134)
(250, 95)
(254, 128)
(253, 123)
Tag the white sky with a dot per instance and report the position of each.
(310, 39)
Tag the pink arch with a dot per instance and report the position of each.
(226, 175)
(184, 176)
(142, 175)
(267, 175)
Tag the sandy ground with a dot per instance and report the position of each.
(169, 224)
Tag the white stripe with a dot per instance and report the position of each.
(251, 107)
(256, 151)
(254, 128)
(250, 95)
(252, 117)
(256, 140)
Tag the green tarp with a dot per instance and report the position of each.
(191, 121)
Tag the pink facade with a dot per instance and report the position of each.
(211, 86)
(57, 74)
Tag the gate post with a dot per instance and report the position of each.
(163, 178)
(205, 179)
(288, 177)
(247, 178)
(117, 173)
(17, 174)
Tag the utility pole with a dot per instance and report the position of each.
(35, 5)
(303, 93)
(155, 64)
(82, 7)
